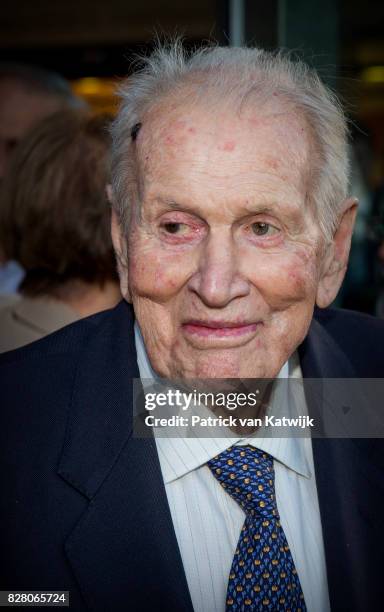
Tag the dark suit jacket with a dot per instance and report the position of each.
(83, 505)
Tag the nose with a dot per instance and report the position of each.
(218, 279)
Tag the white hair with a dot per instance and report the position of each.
(237, 75)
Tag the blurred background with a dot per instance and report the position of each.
(92, 43)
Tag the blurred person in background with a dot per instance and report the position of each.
(28, 94)
(55, 223)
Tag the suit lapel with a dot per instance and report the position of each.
(123, 550)
(349, 489)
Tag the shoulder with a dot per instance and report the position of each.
(339, 322)
(27, 319)
(42, 372)
(78, 341)
(45, 369)
(67, 340)
(37, 381)
(357, 335)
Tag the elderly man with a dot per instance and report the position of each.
(231, 222)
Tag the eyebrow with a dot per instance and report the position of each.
(265, 208)
(172, 204)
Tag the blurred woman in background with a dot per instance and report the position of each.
(55, 222)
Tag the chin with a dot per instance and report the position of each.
(225, 364)
(211, 371)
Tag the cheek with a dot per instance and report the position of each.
(156, 274)
(299, 279)
(285, 278)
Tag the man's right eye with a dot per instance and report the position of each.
(180, 229)
(172, 227)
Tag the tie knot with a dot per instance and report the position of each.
(247, 474)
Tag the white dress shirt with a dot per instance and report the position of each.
(207, 521)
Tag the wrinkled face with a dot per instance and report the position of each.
(224, 253)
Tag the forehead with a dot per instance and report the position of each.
(220, 148)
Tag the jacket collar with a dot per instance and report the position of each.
(100, 420)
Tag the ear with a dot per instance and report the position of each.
(335, 258)
(120, 247)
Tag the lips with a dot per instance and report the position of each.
(219, 329)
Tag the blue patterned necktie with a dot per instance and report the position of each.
(263, 574)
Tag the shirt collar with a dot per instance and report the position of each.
(179, 456)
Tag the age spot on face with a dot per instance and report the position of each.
(272, 163)
(178, 133)
(229, 145)
(169, 140)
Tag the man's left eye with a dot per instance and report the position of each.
(263, 229)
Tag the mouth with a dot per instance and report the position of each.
(219, 329)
